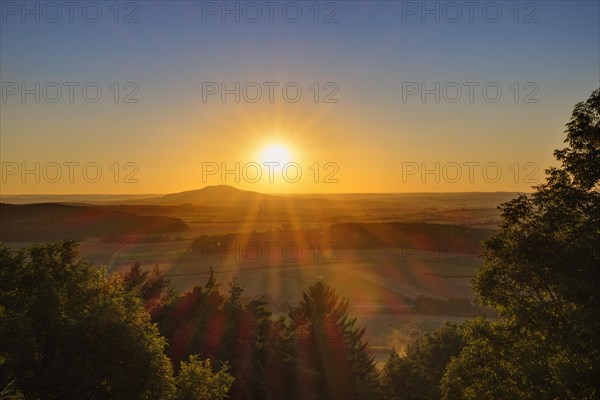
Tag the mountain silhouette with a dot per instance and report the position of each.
(212, 195)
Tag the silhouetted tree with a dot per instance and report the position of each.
(155, 290)
(541, 276)
(397, 378)
(68, 331)
(417, 376)
(330, 344)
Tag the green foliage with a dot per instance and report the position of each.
(211, 284)
(11, 393)
(541, 276)
(229, 329)
(417, 375)
(70, 332)
(581, 159)
(333, 358)
(155, 290)
(396, 379)
(315, 352)
(500, 362)
(197, 381)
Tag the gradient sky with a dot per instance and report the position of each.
(371, 140)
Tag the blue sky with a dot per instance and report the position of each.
(373, 49)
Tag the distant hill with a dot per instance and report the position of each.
(220, 195)
(228, 196)
(73, 198)
(54, 221)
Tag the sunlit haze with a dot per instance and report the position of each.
(299, 200)
(378, 96)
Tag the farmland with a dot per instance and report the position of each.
(381, 252)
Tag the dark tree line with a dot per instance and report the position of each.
(315, 352)
(423, 236)
(69, 331)
(541, 276)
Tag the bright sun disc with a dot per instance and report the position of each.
(276, 153)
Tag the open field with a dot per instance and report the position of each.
(376, 281)
(387, 272)
(381, 252)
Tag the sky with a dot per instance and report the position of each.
(289, 97)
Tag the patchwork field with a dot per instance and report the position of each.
(376, 281)
(381, 252)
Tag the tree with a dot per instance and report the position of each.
(417, 376)
(197, 381)
(155, 290)
(335, 362)
(541, 276)
(68, 331)
(266, 362)
(498, 363)
(193, 323)
(11, 393)
(237, 340)
(396, 377)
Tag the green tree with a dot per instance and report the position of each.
(256, 348)
(197, 381)
(193, 322)
(498, 362)
(331, 345)
(68, 331)
(417, 376)
(237, 341)
(541, 276)
(155, 290)
(396, 378)
(265, 379)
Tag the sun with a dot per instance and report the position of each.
(276, 153)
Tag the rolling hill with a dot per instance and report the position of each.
(54, 221)
(219, 195)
